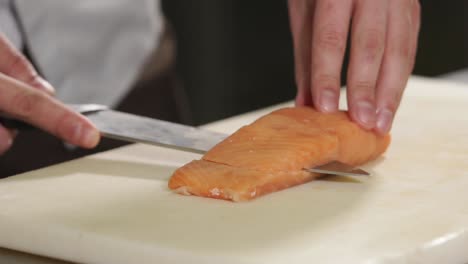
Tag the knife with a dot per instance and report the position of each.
(133, 128)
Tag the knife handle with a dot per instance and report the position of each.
(15, 124)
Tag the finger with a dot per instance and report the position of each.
(367, 48)
(329, 36)
(300, 16)
(6, 140)
(396, 64)
(15, 64)
(45, 112)
(415, 25)
(38, 82)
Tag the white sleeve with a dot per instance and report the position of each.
(90, 51)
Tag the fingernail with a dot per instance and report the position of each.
(328, 101)
(366, 114)
(384, 120)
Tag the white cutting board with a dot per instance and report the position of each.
(115, 207)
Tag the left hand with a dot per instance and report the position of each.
(28, 97)
(383, 37)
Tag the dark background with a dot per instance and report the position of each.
(236, 55)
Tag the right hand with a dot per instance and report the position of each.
(26, 96)
(383, 37)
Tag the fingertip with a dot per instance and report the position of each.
(90, 137)
(78, 130)
(364, 114)
(384, 121)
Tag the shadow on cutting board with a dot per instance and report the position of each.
(103, 167)
(11, 256)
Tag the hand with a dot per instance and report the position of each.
(28, 97)
(383, 38)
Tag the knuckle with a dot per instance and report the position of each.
(363, 90)
(326, 80)
(372, 43)
(363, 85)
(25, 103)
(400, 49)
(331, 38)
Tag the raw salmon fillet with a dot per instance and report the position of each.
(271, 153)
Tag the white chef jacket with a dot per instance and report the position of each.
(91, 51)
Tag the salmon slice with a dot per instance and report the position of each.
(220, 181)
(270, 154)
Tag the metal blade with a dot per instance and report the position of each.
(338, 168)
(133, 128)
(86, 109)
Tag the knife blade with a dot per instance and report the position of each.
(129, 127)
(338, 168)
(133, 128)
